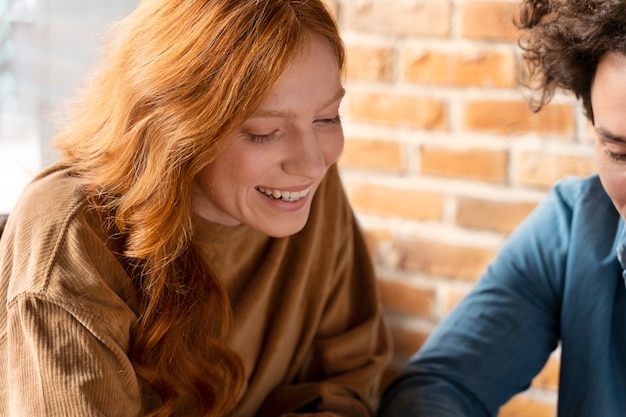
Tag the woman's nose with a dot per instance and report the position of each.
(306, 156)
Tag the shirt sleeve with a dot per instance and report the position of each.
(341, 373)
(499, 336)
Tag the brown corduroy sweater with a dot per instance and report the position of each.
(308, 324)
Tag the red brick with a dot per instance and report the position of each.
(490, 20)
(538, 169)
(480, 164)
(499, 216)
(444, 260)
(401, 18)
(373, 154)
(507, 117)
(481, 69)
(383, 200)
(370, 63)
(397, 110)
(399, 297)
(378, 234)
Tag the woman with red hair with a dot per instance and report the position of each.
(193, 252)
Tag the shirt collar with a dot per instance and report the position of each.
(620, 249)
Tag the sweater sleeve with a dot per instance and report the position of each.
(56, 366)
(341, 373)
(65, 324)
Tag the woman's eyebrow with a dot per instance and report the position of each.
(338, 96)
(288, 113)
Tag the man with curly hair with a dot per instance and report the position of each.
(560, 278)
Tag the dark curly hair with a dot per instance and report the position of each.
(563, 41)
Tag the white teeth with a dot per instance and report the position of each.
(285, 195)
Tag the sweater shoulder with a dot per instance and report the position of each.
(49, 200)
(37, 227)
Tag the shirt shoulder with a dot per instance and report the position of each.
(574, 191)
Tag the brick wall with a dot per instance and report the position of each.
(443, 157)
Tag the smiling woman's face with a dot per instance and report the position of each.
(608, 101)
(273, 163)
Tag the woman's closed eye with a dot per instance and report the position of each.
(262, 138)
(331, 121)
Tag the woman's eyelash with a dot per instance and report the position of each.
(333, 121)
(260, 138)
(266, 138)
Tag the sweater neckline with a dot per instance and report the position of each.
(206, 231)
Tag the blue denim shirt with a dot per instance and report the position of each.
(558, 278)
